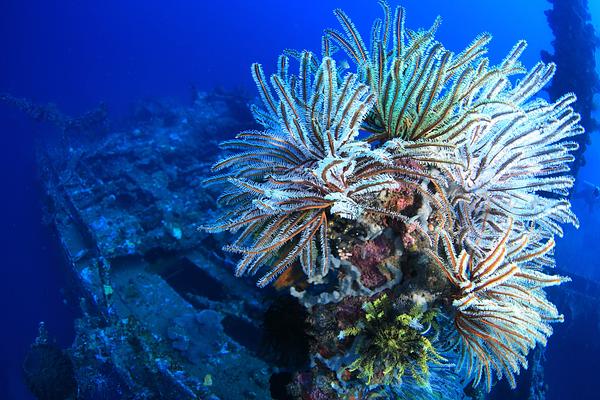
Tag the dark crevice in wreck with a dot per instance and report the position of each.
(243, 332)
(278, 385)
(285, 337)
(187, 279)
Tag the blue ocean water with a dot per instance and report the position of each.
(79, 53)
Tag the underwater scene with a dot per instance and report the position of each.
(300, 200)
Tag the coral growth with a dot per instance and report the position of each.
(367, 257)
(391, 345)
(465, 174)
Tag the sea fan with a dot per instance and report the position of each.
(501, 310)
(287, 181)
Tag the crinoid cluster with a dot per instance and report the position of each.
(459, 162)
(501, 308)
(288, 181)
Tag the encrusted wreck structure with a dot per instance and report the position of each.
(162, 316)
(575, 42)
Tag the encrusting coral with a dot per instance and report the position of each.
(463, 169)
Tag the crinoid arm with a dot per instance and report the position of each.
(500, 309)
(516, 164)
(422, 89)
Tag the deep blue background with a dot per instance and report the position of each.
(78, 53)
